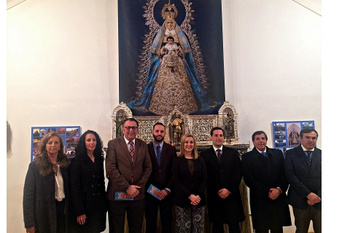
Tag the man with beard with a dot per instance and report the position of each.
(162, 155)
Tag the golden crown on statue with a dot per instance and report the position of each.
(169, 11)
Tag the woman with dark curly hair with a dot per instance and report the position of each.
(87, 184)
(46, 188)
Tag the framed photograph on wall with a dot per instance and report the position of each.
(286, 133)
(69, 134)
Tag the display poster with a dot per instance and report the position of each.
(286, 133)
(69, 134)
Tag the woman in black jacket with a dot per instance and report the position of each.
(45, 195)
(189, 179)
(88, 196)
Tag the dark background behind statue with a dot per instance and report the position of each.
(207, 25)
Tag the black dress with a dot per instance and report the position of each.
(88, 194)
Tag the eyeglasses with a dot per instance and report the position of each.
(130, 127)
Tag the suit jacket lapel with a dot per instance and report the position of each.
(256, 153)
(152, 153)
(223, 155)
(269, 154)
(316, 157)
(302, 157)
(163, 152)
(137, 150)
(125, 149)
(215, 157)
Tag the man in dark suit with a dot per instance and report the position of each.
(224, 176)
(128, 167)
(263, 172)
(303, 170)
(162, 155)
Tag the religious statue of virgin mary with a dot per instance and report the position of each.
(171, 71)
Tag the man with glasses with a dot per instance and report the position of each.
(128, 167)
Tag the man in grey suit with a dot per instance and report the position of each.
(303, 170)
(128, 167)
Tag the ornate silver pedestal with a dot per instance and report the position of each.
(178, 124)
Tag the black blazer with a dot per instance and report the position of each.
(225, 174)
(161, 175)
(88, 195)
(261, 173)
(302, 177)
(186, 184)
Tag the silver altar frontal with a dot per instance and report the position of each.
(178, 124)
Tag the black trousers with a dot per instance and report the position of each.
(116, 215)
(61, 217)
(151, 213)
(219, 228)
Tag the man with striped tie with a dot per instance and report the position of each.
(128, 167)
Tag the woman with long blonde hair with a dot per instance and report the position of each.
(189, 178)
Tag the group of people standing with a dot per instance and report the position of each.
(146, 179)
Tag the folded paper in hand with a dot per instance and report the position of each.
(122, 196)
(153, 190)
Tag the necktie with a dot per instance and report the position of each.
(158, 154)
(263, 153)
(309, 156)
(132, 156)
(218, 153)
(132, 151)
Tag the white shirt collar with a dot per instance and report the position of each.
(127, 141)
(262, 151)
(304, 149)
(221, 147)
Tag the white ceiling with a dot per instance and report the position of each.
(313, 5)
(12, 3)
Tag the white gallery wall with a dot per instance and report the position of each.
(62, 69)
